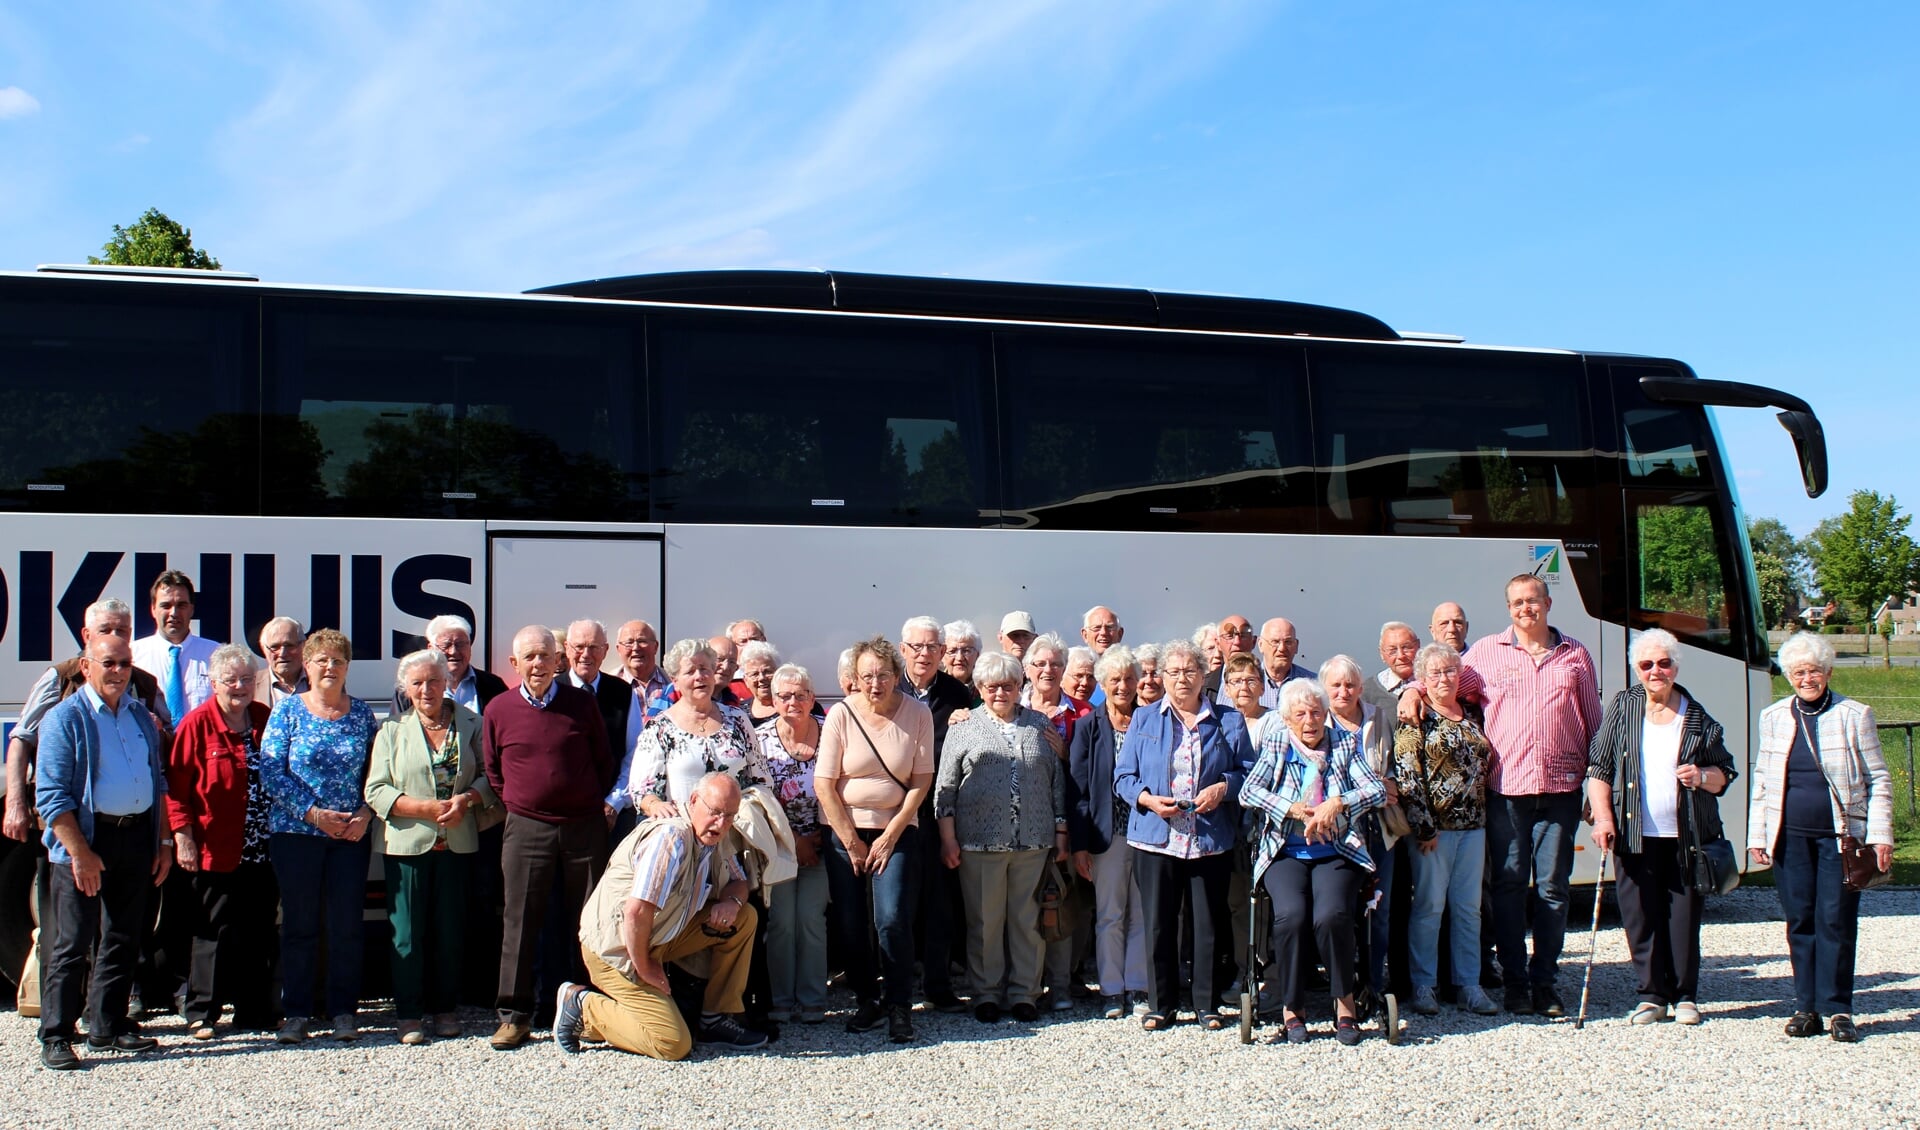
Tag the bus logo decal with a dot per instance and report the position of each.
(1546, 562)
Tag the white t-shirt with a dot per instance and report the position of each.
(1659, 760)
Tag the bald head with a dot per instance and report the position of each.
(1449, 626)
(109, 666)
(1278, 645)
(1101, 629)
(586, 649)
(715, 802)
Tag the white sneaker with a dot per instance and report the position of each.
(1424, 1001)
(1687, 1012)
(1646, 1012)
(1474, 999)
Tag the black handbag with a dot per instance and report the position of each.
(1712, 867)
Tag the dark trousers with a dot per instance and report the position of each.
(1163, 880)
(866, 906)
(426, 906)
(166, 943)
(481, 976)
(1318, 895)
(113, 918)
(323, 885)
(1531, 837)
(235, 945)
(534, 855)
(1661, 918)
(1823, 922)
(941, 918)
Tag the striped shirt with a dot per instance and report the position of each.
(657, 864)
(1541, 715)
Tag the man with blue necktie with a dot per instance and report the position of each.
(173, 655)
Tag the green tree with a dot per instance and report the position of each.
(154, 240)
(1777, 601)
(1865, 556)
(1770, 536)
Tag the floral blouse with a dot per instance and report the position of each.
(668, 761)
(1443, 772)
(253, 843)
(308, 761)
(792, 780)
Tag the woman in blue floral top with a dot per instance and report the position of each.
(313, 767)
(796, 911)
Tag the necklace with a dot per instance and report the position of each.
(1820, 704)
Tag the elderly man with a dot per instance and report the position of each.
(467, 685)
(1016, 632)
(650, 693)
(674, 889)
(1280, 662)
(744, 632)
(284, 674)
(962, 642)
(173, 654)
(922, 645)
(99, 790)
(546, 755)
(586, 652)
(1449, 626)
(1398, 647)
(1231, 636)
(1101, 629)
(732, 690)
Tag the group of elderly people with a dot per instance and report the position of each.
(958, 796)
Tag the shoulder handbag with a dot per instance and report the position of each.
(1712, 867)
(1859, 863)
(854, 718)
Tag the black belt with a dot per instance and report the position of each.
(113, 821)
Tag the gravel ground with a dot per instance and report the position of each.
(1737, 1068)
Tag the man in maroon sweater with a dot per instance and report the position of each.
(547, 757)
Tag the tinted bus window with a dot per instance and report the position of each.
(1120, 431)
(455, 411)
(1429, 441)
(1682, 582)
(125, 407)
(804, 420)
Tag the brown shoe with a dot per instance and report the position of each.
(447, 1026)
(413, 1032)
(509, 1036)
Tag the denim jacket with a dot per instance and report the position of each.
(66, 765)
(1146, 765)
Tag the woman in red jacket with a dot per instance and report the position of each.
(219, 819)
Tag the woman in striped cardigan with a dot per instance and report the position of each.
(1817, 776)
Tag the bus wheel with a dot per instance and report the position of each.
(17, 909)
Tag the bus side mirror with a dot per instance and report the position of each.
(1810, 443)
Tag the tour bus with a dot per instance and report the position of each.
(832, 453)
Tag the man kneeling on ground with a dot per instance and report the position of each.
(673, 888)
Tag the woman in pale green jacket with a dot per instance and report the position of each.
(425, 783)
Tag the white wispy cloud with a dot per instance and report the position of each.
(17, 103)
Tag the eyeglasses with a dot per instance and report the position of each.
(1403, 649)
(875, 679)
(235, 684)
(789, 696)
(1663, 663)
(636, 645)
(327, 662)
(1290, 641)
(1449, 674)
(1180, 673)
(1245, 683)
(113, 664)
(962, 649)
(922, 648)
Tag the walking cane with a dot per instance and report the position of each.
(1593, 942)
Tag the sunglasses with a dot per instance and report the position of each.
(1650, 664)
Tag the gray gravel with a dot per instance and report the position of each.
(1736, 1069)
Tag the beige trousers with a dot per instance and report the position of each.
(1004, 950)
(636, 1017)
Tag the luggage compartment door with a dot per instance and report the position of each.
(557, 577)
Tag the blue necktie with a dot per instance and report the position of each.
(174, 685)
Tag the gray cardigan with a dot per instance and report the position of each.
(976, 781)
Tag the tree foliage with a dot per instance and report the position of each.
(1865, 555)
(154, 240)
(1678, 569)
(1778, 603)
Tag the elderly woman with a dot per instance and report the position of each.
(313, 766)
(695, 736)
(963, 650)
(797, 910)
(1097, 827)
(1311, 781)
(426, 784)
(1654, 773)
(1001, 806)
(1240, 685)
(874, 768)
(1046, 690)
(758, 660)
(1441, 761)
(1346, 695)
(1152, 687)
(1179, 772)
(1818, 776)
(1079, 682)
(219, 819)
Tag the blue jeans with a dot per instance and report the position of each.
(319, 878)
(1448, 878)
(1823, 922)
(1531, 837)
(887, 900)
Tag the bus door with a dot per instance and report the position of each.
(556, 576)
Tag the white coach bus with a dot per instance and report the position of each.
(832, 453)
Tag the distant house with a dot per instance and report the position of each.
(1905, 615)
(1816, 615)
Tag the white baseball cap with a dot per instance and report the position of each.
(1017, 622)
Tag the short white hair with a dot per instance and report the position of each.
(440, 624)
(845, 668)
(962, 631)
(1805, 647)
(1297, 690)
(1182, 647)
(1396, 626)
(922, 624)
(997, 667)
(1079, 655)
(426, 656)
(757, 650)
(599, 629)
(1661, 638)
(111, 606)
(1114, 660)
(1047, 642)
(232, 658)
(1203, 633)
(1145, 653)
(1338, 665)
(793, 673)
(1086, 618)
(1423, 662)
(299, 629)
(686, 649)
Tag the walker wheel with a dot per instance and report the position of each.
(1246, 1018)
(1393, 1019)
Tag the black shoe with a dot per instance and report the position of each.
(56, 1054)
(1346, 1031)
(1842, 1030)
(945, 1001)
(1805, 1024)
(125, 1042)
(987, 1012)
(727, 1033)
(867, 1017)
(900, 1024)
(1025, 1012)
(1519, 1001)
(1547, 1003)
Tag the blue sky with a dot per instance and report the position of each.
(1728, 184)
